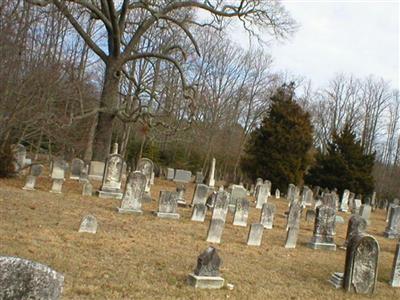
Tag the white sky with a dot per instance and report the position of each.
(354, 37)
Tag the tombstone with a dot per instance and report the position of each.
(277, 194)
(167, 205)
(19, 152)
(324, 229)
(267, 215)
(365, 212)
(215, 230)
(361, 266)
(182, 176)
(351, 201)
(241, 212)
(76, 168)
(373, 201)
(336, 199)
(211, 199)
(290, 192)
(133, 194)
(58, 170)
(269, 185)
(307, 196)
(293, 225)
(237, 192)
(262, 195)
(207, 275)
(259, 181)
(389, 207)
(255, 235)
(57, 186)
(344, 205)
(24, 279)
(30, 183)
(356, 226)
(170, 174)
(252, 187)
(221, 206)
(114, 149)
(96, 170)
(146, 166)
(318, 203)
(200, 194)
(357, 205)
(111, 185)
(211, 180)
(88, 224)
(199, 212)
(310, 215)
(329, 199)
(199, 177)
(339, 220)
(180, 194)
(84, 175)
(87, 189)
(395, 276)
(337, 280)
(392, 230)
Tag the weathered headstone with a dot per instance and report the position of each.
(252, 187)
(133, 194)
(59, 169)
(199, 212)
(237, 192)
(267, 215)
(262, 195)
(357, 205)
(199, 177)
(180, 194)
(395, 276)
(356, 226)
(221, 206)
(277, 194)
(392, 230)
(96, 170)
(324, 229)
(307, 196)
(255, 235)
(211, 180)
(365, 212)
(293, 225)
(310, 215)
(56, 187)
(88, 224)
(182, 176)
(36, 170)
(200, 194)
(361, 267)
(290, 192)
(167, 205)
(19, 152)
(269, 186)
(330, 200)
(76, 168)
(112, 179)
(30, 183)
(207, 275)
(170, 173)
(344, 205)
(215, 230)
(146, 167)
(259, 181)
(84, 175)
(24, 279)
(241, 212)
(87, 189)
(351, 201)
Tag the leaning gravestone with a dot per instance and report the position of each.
(199, 212)
(324, 229)
(361, 267)
(87, 189)
(293, 225)
(395, 276)
(356, 226)
(76, 168)
(24, 279)
(344, 205)
(146, 166)
(255, 235)
(96, 170)
(133, 194)
(262, 195)
(215, 230)
(241, 212)
(267, 215)
(167, 205)
(199, 177)
(207, 275)
(221, 206)
(88, 224)
(200, 194)
(35, 171)
(111, 185)
(392, 230)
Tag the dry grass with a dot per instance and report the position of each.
(137, 257)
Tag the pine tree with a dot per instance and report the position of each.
(344, 166)
(279, 149)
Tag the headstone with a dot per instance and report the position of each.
(88, 224)
(262, 195)
(211, 199)
(324, 229)
(307, 196)
(87, 189)
(241, 212)
(395, 276)
(259, 182)
(373, 201)
(133, 194)
(389, 207)
(339, 220)
(344, 205)
(57, 186)
(84, 176)
(146, 166)
(356, 226)
(30, 183)
(111, 185)
(310, 215)
(277, 194)
(255, 235)
(330, 200)
(170, 173)
(215, 230)
(351, 201)
(207, 275)
(19, 152)
(211, 180)
(167, 205)
(252, 187)
(59, 169)
(267, 215)
(76, 168)
(36, 170)
(199, 212)
(180, 194)
(199, 177)
(269, 185)
(114, 149)
(200, 194)
(365, 212)
(221, 206)
(237, 192)
(293, 225)
(357, 205)
(96, 170)
(24, 279)
(290, 192)
(392, 230)
(361, 267)
(182, 176)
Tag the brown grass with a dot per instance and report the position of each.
(143, 257)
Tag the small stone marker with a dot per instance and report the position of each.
(238, 192)
(207, 275)
(199, 212)
(180, 195)
(24, 279)
(344, 205)
(133, 194)
(96, 170)
(307, 196)
(211, 180)
(200, 194)
(167, 205)
(365, 212)
(259, 181)
(255, 235)
(395, 276)
(293, 225)
(87, 189)
(290, 193)
(241, 212)
(356, 226)
(324, 229)
(267, 215)
(361, 267)
(277, 194)
(199, 177)
(30, 183)
(357, 205)
(76, 168)
(170, 173)
(59, 168)
(392, 230)
(57, 186)
(221, 206)
(337, 280)
(146, 166)
(88, 224)
(182, 176)
(84, 175)
(262, 195)
(310, 215)
(111, 185)
(215, 231)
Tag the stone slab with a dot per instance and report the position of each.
(112, 195)
(205, 282)
(167, 215)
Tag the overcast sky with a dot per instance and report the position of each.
(359, 37)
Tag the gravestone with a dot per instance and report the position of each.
(255, 235)
(357, 205)
(76, 168)
(170, 173)
(330, 200)
(59, 168)
(84, 175)
(111, 185)
(277, 194)
(259, 181)
(199, 212)
(268, 185)
(267, 215)
(307, 196)
(30, 182)
(200, 194)
(324, 229)
(361, 267)
(356, 226)
(87, 189)
(241, 212)
(56, 187)
(167, 205)
(389, 206)
(211, 180)
(293, 225)
(180, 194)
(262, 195)
(211, 199)
(252, 187)
(146, 166)
(237, 192)
(88, 224)
(337, 280)
(344, 205)
(182, 176)
(291, 192)
(351, 201)
(215, 230)
(96, 170)
(339, 219)
(392, 230)
(207, 274)
(36, 170)
(365, 212)
(221, 206)
(199, 177)
(24, 279)
(395, 276)
(133, 194)
(310, 215)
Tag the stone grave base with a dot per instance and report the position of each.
(129, 211)
(96, 177)
(167, 215)
(205, 282)
(337, 280)
(322, 246)
(74, 177)
(268, 226)
(182, 203)
(108, 194)
(28, 188)
(238, 223)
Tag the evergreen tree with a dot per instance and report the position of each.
(279, 149)
(344, 165)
